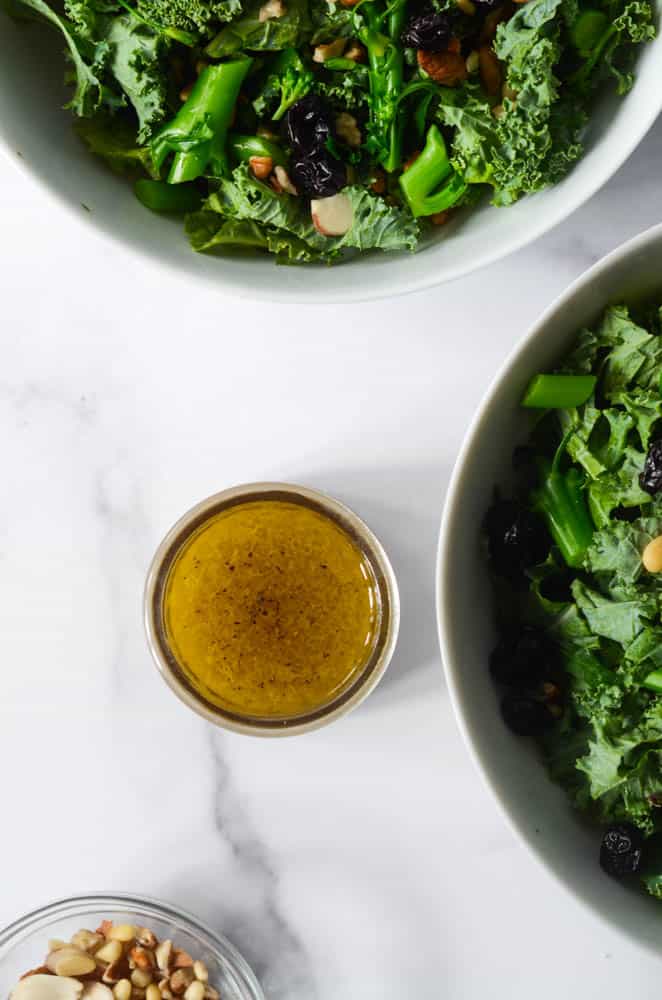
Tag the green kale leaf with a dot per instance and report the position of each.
(137, 63)
(376, 225)
(88, 62)
(114, 141)
(249, 33)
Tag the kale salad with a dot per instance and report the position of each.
(576, 556)
(316, 129)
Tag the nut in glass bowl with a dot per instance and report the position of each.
(117, 947)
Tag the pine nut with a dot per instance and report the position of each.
(195, 991)
(652, 555)
(141, 978)
(87, 940)
(122, 990)
(163, 955)
(473, 62)
(200, 971)
(153, 992)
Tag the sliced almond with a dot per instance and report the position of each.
(41, 970)
(87, 940)
(55, 944)
(96, 991)
(180, 980)
(44, 987)
(146, 938)
(122, 932)
(164, 955)
(117, 970)
(70, 961)
(181, 959)
(142, 958)
(332, 216)
(109, 952)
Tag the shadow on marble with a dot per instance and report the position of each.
(402, 504)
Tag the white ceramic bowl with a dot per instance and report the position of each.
(536, 808)
(33, 124)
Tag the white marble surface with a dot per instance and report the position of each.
(365, 862)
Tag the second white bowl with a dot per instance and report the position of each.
(536, 808)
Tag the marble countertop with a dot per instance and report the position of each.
(363, 862)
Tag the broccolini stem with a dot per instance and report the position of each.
(560, 500)
(386, 69)
(420, 183)
(197, 134)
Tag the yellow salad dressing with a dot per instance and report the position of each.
(271, 609)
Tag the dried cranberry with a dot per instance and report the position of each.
(319, 175)
(621, 849)
(525, 716)
(308, 125)
(430, 30)
(523, 658)
(517, 538)
(650, 479)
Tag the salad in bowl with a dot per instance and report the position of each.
(314, 130)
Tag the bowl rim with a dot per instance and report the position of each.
(443, 583)
(604, 170)
(166, 911)
(354, 527)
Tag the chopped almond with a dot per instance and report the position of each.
(447, 68)
(261, 166)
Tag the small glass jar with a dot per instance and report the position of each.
(386, 591)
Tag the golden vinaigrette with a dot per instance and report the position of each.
(271, 609)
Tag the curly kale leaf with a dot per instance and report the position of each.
(136, 62)
(376, 224)
(331, 20)
(115, 142)
(249, 33)
(88, 61)
(613, 53)
(537, 138)
(345, 90)
(209, 232)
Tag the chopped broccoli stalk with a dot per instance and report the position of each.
(197, 134)
(420, 184)
(243, 147)
(177, 34)
(558, 392)
(560, 500)
(167, 198)
(339, 63)
(654, 681)
(385, 64)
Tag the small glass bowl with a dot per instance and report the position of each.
(24, 944)
(358, 531)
